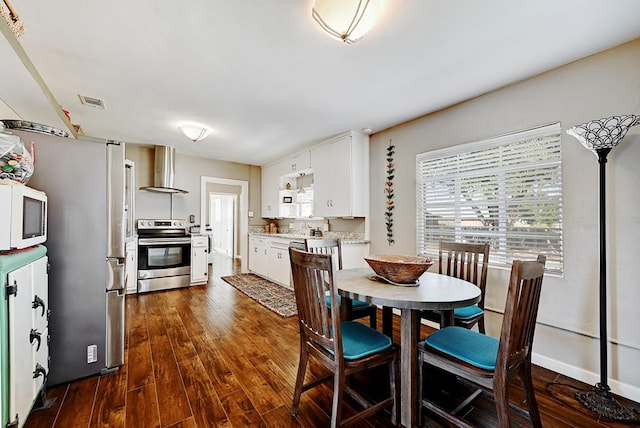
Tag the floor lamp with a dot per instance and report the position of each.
(600, 136)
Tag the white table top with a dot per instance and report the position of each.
(435, 291)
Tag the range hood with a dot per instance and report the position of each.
(164, 171)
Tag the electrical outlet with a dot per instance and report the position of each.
(251, 214)
(92, 353)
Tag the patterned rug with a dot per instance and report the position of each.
(272, 296)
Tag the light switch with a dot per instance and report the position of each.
(250, 214)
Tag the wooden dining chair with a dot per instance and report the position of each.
(333, 246)
(485, 361)
(469, 262)
(343, 347)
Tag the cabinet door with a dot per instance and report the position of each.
(199, 265)
(270, 186)
(340, 201)
(322, 171)
(21, 350)
(131, 267)
(301, 161)
(258, 253)
(279, 266)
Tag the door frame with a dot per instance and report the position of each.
(234, 226)
(243, 207)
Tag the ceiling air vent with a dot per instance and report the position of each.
(91, 102)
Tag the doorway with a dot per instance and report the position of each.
(223, 222)
(242, 209)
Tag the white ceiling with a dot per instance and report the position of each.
(270, 82)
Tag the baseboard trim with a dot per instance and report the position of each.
(590, 378)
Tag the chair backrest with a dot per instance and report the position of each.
(331, 246)
(521, 311)
(313, 279)
(465, 261)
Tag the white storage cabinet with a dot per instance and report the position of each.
(199, 259)
(341, 177)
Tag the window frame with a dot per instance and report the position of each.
(523, 225)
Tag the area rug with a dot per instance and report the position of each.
(272, 296)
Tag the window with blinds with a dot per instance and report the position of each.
(505, 190)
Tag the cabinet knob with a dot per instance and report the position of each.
(35, 335)
(38, 302)
(40, 371)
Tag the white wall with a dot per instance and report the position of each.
(599, 86)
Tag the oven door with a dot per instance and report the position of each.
(159, 254)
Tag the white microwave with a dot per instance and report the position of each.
(23, 217)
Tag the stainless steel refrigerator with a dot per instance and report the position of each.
(84, 182)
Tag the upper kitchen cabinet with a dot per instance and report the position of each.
(270, 186)
(341, 176)
(298, 163)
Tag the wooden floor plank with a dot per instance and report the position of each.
(142, 407)
(78, 404)
(109, 410)
(241, 411)
(205, 403)
(173, 403)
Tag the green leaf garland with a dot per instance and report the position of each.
(388, 190)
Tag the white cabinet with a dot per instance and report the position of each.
(341, 177)
(299, 162)
(131, 266)
(270, 186)
(199, 259)
(258, 256)
(353, 255)
(28, 337)
(279, 265)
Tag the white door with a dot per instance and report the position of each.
(222, 221)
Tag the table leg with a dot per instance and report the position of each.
(387, 321)
(345, 308)
(408, 367)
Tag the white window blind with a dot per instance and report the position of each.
(505, 190)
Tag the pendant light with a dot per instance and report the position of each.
(347, 20)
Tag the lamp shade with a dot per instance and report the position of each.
(194, 131)
(603, 133)
(347, 20)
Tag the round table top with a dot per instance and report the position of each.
(435, 291)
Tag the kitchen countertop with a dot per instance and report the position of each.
(301, 237)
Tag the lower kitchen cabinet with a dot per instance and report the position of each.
(279, 264)
(131, 266)
(258, 256)
(199, 259)
(24, 328)
(269, 258)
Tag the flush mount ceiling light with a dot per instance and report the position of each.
(194, 131)
(347, 20)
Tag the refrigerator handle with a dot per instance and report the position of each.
(116, 195)
(115, 273)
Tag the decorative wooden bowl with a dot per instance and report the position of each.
(399, 269)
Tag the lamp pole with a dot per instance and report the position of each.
(603, 387)
(600, 136)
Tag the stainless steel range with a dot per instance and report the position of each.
(164, 255)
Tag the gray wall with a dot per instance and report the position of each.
(599, 86)
(189, 170)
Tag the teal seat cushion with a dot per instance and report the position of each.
(359, 341)
(472, 347)
(355, 304)
(468, 312)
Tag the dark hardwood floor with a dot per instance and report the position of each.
(209, 356)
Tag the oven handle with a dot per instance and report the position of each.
(163, 241)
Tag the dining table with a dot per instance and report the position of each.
(432, 291)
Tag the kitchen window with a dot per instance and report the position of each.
(505, 190)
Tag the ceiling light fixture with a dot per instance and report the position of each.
(194, 131)
(347, 20)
